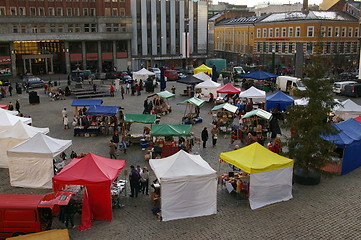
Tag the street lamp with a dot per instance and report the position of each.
(273, 60)
(294, 62)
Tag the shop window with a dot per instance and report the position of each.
(290, 31)
(107, 46)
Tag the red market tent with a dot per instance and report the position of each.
(4, 106)
(358, 119)
(229, 89)
(97, 174)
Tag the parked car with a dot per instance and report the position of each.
(156, 71)
(352, 90)
(181, 75)
(338, 87)
(33, 81)
(111, 75)
(171, 75)
(83, 74)
(126, 79)
(101, 76)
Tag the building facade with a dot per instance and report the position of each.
(169, 32)
(58, 36)
(281, 38)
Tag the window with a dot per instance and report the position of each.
(309, 48)
(52, 28)
(34, 28)
(114, 0)
(59, 12)
(15, 28)
(123, 27)
(337, 31)
(343, 33)
(2, 11)
(323, 31)
(108, 27)
(354, 47)
(115, 27)
(51, 11)
(122, 12)
(298, 31)
(348, 47)
(277, 32)
(22, 11)
(13, 11)
(61, 28)
(342, 47)
(270, 48)
(77, 27)
(92, 12)
(69, 12)
(70, 27)
(114, 11)
(284, 32)
(328, 47)
(41, 11)
(290, 47)
(258, 47)
(32, 11)
(264, 32)
(258, 33)
(42, 28)
(85, 12)
(283, 47)
(335, 47)
(76, 12)
(277, 46)
(329, 32)
(356, 31)
(310, 30)
(107, 12)
(90, 27)
(264, 47)
(270, 32)
(350, 29)
(290, 31)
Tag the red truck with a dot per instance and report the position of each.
(23, 214)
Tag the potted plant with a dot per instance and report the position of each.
(308, 123)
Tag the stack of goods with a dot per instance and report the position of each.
(238, 182)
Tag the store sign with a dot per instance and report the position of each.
(5, 60)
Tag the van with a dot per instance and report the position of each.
(238, 70)
(338, 87)
(156, 71)
(23, 214)
(83, 74)
(284, 83)
(33, 82)
(171, 75)
(352, 90)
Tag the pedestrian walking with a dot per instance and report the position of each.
(115, 137)
(127, 86)
(144, 178)
(66, 122)
(134, 177)
(10, 89)
(94, 88)
(64, 113)
(173, 90)
(214, 133)
(112, 148)
(133, 89)
(145, 105)
(122, 91)
(111, 90)
(204, 136)
(17, 105)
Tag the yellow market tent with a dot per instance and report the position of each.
(270, 173)
(55, 234)
(203, 68)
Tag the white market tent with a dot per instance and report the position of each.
(7, 120)
(347, 109)
(14, 135)
(142, 74)
(253, 92)
(188, 186)
(301, 101)
(202, 76)
(31, 162)
(208, 87)
(11, 112)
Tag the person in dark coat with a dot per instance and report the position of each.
(145, 105)
(134, 178)
(17, 105)
(204, 136)
(274, 127)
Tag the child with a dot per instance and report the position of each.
(66, 122)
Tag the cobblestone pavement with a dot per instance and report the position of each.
(330, 210)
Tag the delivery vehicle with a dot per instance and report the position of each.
(285, 83)
(172, 75)
(338, 87)
(352, 90)
(23, 214)
(33, 81)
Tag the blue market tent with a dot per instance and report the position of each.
(278, 100)
(349, 139)
(86, 102)
(102, 110)
(259, 75)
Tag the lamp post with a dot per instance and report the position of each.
(294, 62)
(273, 60)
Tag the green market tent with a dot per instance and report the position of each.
(226, 106)
(194, 101)
(164, 130)
(260, 113)
(140, 118)
(164, 94)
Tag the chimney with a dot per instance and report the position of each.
(305, 6)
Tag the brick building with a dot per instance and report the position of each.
(57, 36)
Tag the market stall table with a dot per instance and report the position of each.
(116, 189)
(89, 130)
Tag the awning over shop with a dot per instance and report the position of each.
(102, 110)
(194, 101)
(171, 130)
(226, 106)
(140, 118)
(86, 102)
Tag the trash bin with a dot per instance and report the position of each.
(55, 83)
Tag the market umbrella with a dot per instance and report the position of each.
(259, 75)
(190, 80)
